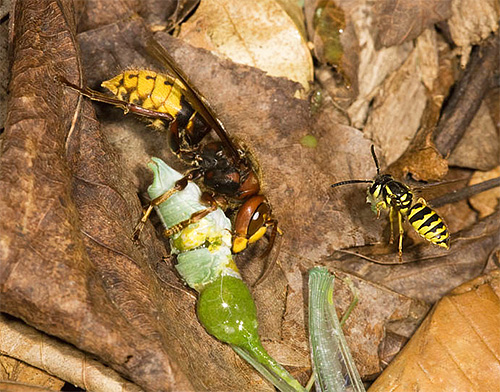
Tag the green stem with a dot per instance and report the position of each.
(269, 368)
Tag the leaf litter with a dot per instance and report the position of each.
(71, 270)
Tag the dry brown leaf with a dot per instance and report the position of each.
(93, 14)
(374, 65)
(132, 293)
(428, 272)
(479, 148)
(159, 15)
(4, 68)
(13, 370)
(399, 21)
(398, 107)
(456, 348)
(487, 202)
(421, 159)
(162, 15)
(493, 102)
(55, 357)
(378, 309)
(69, 266)
(294, 9)
(471, 22)
(8, 386)
(258, 33)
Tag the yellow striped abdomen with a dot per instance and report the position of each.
(148, 89)
(161, 93)
(429, 224)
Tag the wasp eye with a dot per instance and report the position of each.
(258, 218)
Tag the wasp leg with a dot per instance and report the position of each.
(206, 198)
(391, 219)
(124, 105)
(381, 205)
(401, 232)
(155, 202)
(179, 186)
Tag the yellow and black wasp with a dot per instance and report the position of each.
(171, 104)
(387, 193)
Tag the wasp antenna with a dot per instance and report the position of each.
(351, 182)
(375, 159)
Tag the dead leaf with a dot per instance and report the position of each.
(4, 66)
(54, 357)
(274, 139)
(16, 371)
(69, 265)
(493, 101)
(163, 15)
(470, 23)
(428, 272)
(122, 296)
(400, 21)
(7, 386)
(96, 13)
(378, 310)
(374, 64)
(466, 97)
(487, 202)
(421, 159)
(456, 347)
(479, 147)
(398, 107)
(260, 34)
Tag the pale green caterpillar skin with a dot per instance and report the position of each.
(225, 306)
(203, 248)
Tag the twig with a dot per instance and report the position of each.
(468, 95)
(464, 193)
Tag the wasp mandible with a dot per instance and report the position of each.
(171, 104)
(387, 193)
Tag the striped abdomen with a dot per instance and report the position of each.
(429, 224)
(160, 93)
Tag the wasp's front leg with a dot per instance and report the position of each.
(401, 233)
(206, 198)
(381, 205)
(179, 186)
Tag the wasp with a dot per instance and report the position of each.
(387, 193)
(171, 104)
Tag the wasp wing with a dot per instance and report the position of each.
(193, 96)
